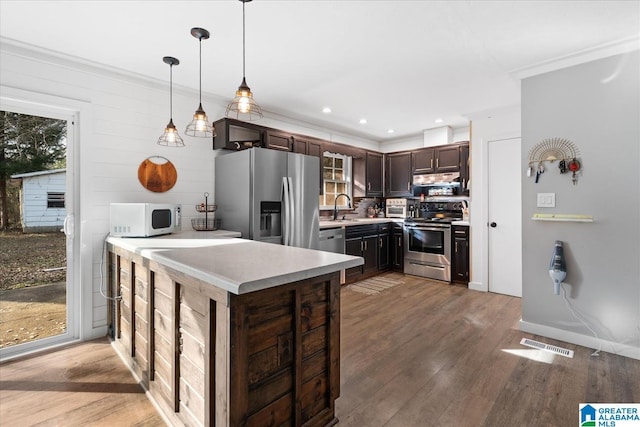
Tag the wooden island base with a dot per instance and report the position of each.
(211, 357)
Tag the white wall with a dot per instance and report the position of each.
(596, 106)
(119, 118)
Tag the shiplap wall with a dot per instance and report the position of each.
(33, 201)
(120, 119)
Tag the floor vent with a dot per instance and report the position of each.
(547, 347)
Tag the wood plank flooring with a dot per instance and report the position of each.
(419, 354)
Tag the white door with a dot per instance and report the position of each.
(505, 219)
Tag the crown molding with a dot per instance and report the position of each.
(617, 47)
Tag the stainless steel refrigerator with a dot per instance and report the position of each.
(269, 195)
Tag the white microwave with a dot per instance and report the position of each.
(143, 219)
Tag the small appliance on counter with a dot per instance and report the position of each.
(143, 219)
(396, 208)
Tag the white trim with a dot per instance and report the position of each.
(579, 339)
(587, 55)
(479, 286)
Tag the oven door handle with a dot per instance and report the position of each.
(428, 228)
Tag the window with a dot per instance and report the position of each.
(55, 200)
(336, 171)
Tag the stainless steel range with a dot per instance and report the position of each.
(427, 239)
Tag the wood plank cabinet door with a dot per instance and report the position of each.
(398, 175)
(447, 159)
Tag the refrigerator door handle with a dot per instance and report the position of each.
(287, 213)
(292, 214)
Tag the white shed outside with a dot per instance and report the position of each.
(42, 200)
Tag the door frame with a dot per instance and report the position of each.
(35, 104)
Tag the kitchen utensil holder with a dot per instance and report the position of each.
(206, 223)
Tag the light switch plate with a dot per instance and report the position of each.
(546, 200)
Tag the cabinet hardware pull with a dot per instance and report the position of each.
(431, 167)
(399, 242)
(361, 246)
(380, 239)
(437, 162)
(408, 186)
(368, 186)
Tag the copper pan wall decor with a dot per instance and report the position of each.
(157, 174)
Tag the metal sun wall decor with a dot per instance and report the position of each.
(550, 150)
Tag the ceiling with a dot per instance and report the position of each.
(398, 64)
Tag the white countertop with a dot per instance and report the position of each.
(237, 265)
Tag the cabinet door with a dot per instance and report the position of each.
(460, 264)
(422, 161)
(398, 175)
(277, 141)
(353, 247)
(397, 251)
(374, 174)
(465, 174)
(383, 251)
(447, 158)
(370, 253)
(236, 135)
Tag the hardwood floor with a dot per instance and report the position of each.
(82, 385)
(418, 354)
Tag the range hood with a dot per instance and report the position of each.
(436, 178)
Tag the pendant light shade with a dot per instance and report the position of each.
(243, 106)
(200, 125)
(170, 137)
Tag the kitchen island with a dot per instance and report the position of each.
(227, 331)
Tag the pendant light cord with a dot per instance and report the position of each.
(200, 91)
(171, 92)
(243, 43)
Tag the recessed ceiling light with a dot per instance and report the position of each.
(390, 131)
(326, 110)
(438, 120)
(363, 121)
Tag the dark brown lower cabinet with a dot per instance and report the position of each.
(460, 254)
(396, 248)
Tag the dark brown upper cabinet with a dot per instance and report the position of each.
(398, 174)
(277, 140)
(447, 158)
(422, 161)
(236, 135)
(374, 169)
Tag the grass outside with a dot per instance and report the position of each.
(32, 299)
(25, 257)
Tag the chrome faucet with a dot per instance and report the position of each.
(335, 205)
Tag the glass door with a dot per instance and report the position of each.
(37, 194)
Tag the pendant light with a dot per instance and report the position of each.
(243, 105)
(170, 137)
(200, 125)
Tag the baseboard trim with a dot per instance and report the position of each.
(579, 339)
(477, 286)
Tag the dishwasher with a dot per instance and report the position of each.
(331, 240)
